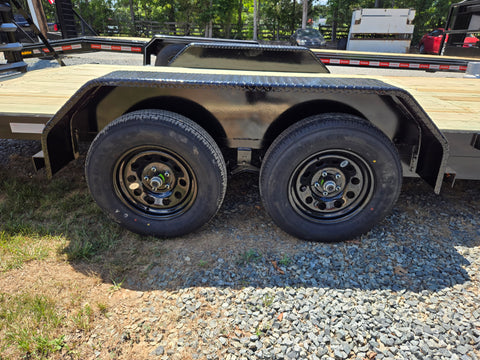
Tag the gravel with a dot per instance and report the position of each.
(409, 289)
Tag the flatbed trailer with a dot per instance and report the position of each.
(331, 149)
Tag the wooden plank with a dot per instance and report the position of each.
(46, 91)
(452, 103)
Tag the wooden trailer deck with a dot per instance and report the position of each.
(452, 103)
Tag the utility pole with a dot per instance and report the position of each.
(304, 14)
(293, 17)
(209, 26)
(132, 11)
(38, 15)
(255, 20)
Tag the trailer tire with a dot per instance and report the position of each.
(156, 173)
(166, 55)
(330, 177)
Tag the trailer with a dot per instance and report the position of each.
(331, 150)
(462, 25)
(385, 30)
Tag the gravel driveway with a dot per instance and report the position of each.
(409, 289)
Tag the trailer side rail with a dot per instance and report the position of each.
(85, 44)
(393, 61)
(328, 57)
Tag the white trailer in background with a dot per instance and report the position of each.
(381, 30)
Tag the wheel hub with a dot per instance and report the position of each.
(158, 177)
(328, 182)
(330, 185)
(156, 182)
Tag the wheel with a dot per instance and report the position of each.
(330, 177)
(165, 55)
(156, 173)
(422, 49)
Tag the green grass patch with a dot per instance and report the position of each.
(83, 318)
(249, 256)
(16, 249)
(285, 260)
(31, 325)
(36, 212)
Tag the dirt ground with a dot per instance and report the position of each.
(138, 312)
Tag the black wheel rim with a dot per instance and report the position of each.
(155, 182)
(331, 186)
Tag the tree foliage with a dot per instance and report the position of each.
(234, 18)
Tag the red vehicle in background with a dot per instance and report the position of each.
(431, 42)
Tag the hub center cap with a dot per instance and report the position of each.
(156, 182)
(329, 186)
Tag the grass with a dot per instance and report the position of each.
(117, 285)
(268, 300)
(18, 248)
(48, 220)
(103, 308)
(285, 260)
(203, 263)
(36, 213)
(83, 318)
(32, 324)
(249, 256)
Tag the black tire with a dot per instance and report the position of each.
(156, 173)
(422, 49)
(165, 55)
(330, 177)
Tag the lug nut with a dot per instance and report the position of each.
(166, 173)
(338, 188)
(325, 193)
(324, 174)
(167, 186)
(317, 185)
(146, 178)
(338, 176)
(153, 169)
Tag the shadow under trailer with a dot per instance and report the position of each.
(331, 150)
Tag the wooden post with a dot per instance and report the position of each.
(38, 15)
